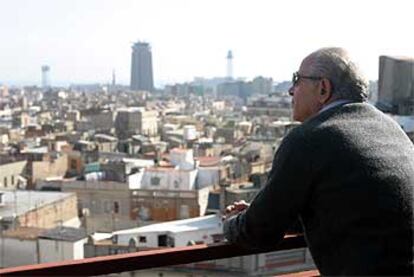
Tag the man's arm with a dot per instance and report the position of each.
(279, 203)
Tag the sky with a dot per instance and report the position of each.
(83, 41)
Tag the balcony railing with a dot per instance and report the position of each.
(147, 259)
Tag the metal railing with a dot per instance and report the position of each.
(146, 259)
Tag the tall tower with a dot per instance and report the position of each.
(45, 76)
(113, 78)
(141, 67)
(396, 85)
(229, 65)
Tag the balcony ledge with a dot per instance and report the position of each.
(146, 259)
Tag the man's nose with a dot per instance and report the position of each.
(291, 91)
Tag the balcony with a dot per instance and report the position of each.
(151, 259)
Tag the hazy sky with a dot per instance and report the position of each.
(84, 40)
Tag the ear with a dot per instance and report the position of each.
(325, 91)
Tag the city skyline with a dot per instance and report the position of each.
(85, 42)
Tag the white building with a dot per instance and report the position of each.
(182, 158)
(208, 176)
(62, 243)
(166, 178)
(19, 247)
(180, 177)
(23, 246)
(172, 233)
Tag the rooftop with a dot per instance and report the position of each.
(25, 233)
(64, 234)
(105, 137)
(401, 58)
(27, 200)
(204, 222)
(209, 161)
(6, 159)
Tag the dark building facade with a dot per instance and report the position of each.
(141, 67)
(396, 85)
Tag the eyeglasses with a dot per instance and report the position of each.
(296, 77)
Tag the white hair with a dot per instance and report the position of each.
(347, 80)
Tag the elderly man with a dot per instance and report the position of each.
(347, 171)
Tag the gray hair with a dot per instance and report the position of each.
(347, 80)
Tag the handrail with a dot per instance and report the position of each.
(145, 259)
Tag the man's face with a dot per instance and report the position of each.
(305, 101)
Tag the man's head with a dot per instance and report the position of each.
(325, 75)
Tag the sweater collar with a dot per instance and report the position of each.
(335, 104)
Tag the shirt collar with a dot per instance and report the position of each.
(334, 104)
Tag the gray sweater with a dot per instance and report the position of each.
(348, 173)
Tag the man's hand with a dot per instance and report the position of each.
(234, 209)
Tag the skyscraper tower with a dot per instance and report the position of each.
(113, 78)
(45, 76)
(141, 67)
(396, 85)
(229, 65)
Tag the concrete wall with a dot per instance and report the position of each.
(163, 205)
(127, 123)
(208, 176)
(56, 250)
(53, 168)
(257, 168)
(107, 146)
(78, 249)
(205, 236)
(168, 179)
(148, 124)
(50, 215)
(203, 200)
(266, 264)
(16, 251)
(99, 199)
(179, 238)
(101, 121)
(9, 174)
(134, 180)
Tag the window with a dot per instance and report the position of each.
(5, 182)
(176, 184)
(116, 207)
(184, 211)
(162, 240)
(12, 180)
(107, 207)
(155, 181)
(73, 164)
(142, 239)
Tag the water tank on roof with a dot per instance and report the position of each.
(190, 132)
